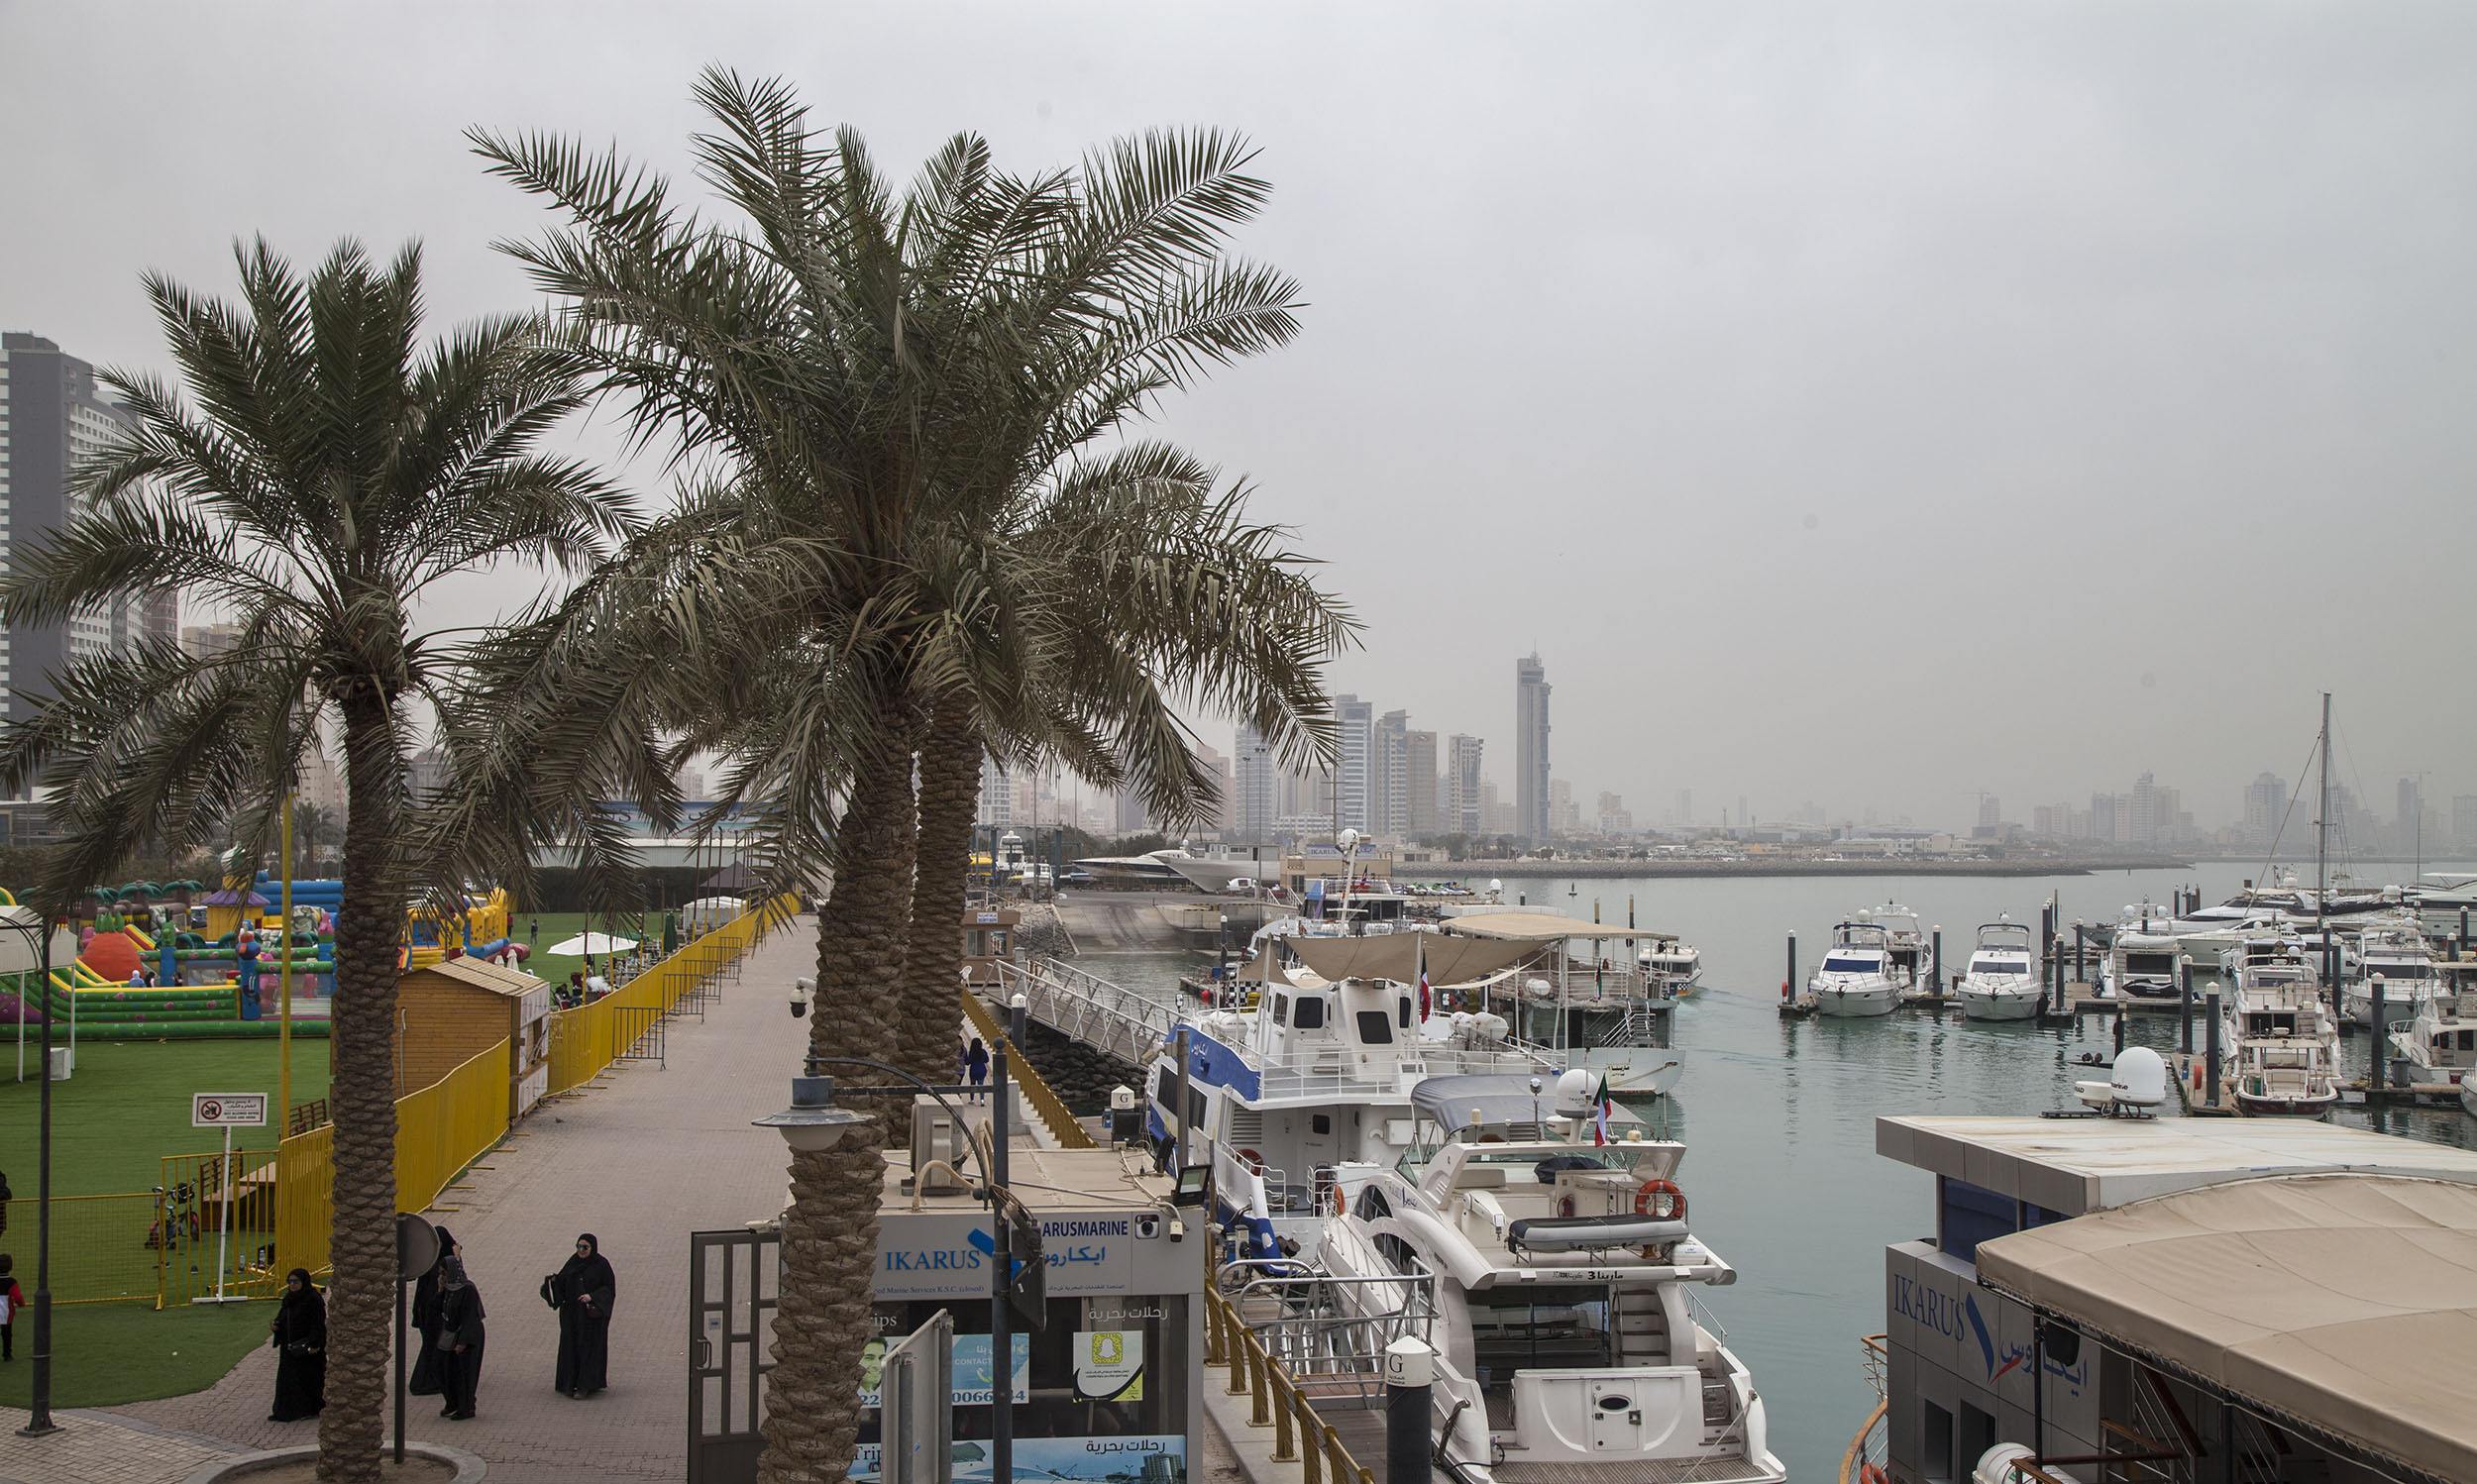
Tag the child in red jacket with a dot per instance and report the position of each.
(12, 1299)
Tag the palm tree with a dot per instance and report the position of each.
(888, 391)
(312, 827)
(324, 472)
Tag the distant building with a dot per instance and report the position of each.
(52, 417)
(1990, 811)
(1465, 793)
(1131, 816)
(426, 773)
(1356, 721)
(1388, 774)
(2266, 803)
(1530, 750)
(1418, 775)
(321, 785)
(1612, 816)
(205, 641)
(1565, 818)
(1255, 789)
(996, 804)
(2408, 826)
(2110, 820)
(2464, 821)
(1217, 816)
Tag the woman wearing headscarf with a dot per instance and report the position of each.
(460, 1338)
(581, 1291)
(300, 1341)
(425, 1378)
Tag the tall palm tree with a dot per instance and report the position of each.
(312, 828)
(872, 378)
(324, 472)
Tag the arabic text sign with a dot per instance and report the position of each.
(936, 1256)
(228, 1111)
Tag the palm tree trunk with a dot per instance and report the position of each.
(829, 1231)
(950, 792)
(361, 1094)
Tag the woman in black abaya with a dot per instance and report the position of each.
(425, 1378)
(460, 1338)
(581, 1291)
(300, 1341)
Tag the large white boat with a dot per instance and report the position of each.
(1670, 962)
(2440, 1045)
(2002, 981)
(1554, 1274)
(2283, 1042)
(1904, 947)
(1856, 976)
(1311, 1088)
(2397, 954)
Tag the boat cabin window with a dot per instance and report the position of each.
(1375, 1028)
(1310, 1013)
(1281, 1009)
(1405, 1005)
(1539, 1325)
(1843, 963)
(1320, 1125)
(2150, 963)
(1371, 1205)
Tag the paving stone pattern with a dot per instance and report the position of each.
(96, 1448)
(640, 1158)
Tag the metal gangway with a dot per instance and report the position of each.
(1086, 1007)
(1306, 1318)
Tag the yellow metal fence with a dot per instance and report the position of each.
(104, 1248)
(1275, 1400)
(587, 1039)
(1044, 1101)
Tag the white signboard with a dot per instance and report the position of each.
(228, 1111)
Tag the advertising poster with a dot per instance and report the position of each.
(972, 1378)
(1135, 1459)
(1110, 1365)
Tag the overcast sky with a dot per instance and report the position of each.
(1864, 404)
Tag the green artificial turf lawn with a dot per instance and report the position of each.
(104, 1354)
(128, 1106)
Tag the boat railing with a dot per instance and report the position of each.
(1702, 1315)
(1332, 1348)
(1087, 1008)
(1864, 1458)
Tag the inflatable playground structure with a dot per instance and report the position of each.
(176, 961)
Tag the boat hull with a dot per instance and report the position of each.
(1858, 1001)
(1978, 1004)
(2302, 1105)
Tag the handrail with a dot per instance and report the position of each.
(1277, 1400)
(1045, 1103)
(1856, 1455)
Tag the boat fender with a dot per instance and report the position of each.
(1253, 1160)
(1662, 1199)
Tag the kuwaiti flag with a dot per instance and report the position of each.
(1599, 1131)
(1423, 991)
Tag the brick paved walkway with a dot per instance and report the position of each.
(96, 1448)
(640, 1158)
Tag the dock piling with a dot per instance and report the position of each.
(2119, 1031)
(2379, 1072)
(2079, 971)
(1935, 974)
(2185, 1004)
(2210, 1040)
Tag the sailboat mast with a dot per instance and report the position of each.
(2321, 820)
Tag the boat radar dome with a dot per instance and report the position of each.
(2140, 1078)
(1348, 840)
(1574, 1094)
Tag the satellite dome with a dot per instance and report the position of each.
(2141, 1078)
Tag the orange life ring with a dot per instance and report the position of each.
(1872, 1473)
(1661, 1200)
(1253, 1160)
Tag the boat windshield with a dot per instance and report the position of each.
(1847, 963)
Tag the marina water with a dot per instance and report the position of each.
(1778, 1115)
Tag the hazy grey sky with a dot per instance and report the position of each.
(1827, 392)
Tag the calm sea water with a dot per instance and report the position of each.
(1778, 1117)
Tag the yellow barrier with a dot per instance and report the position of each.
(445, 1127)
(104, 1248)
(1275, 1398)
(1045, 1101)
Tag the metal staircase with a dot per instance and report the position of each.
(1086, 1007)
(1301, 1315)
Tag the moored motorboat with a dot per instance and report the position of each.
(2283, 1043)
(1854, 978)
(2000, 982)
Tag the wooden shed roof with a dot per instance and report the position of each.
(482, 975)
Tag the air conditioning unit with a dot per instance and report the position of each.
(936, 1136)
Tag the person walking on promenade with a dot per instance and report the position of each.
(583, 1291)
(461, 1334)
(426, 1380)
(976, 1065)
(12, 1299)
(300, 1341)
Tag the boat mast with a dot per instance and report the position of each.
(2322, 825)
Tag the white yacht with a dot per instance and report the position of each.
(1856, 975)
(2141, 965)
(2001, 981)
(1554, 1273)
(1670, 961)
(2283, 1043)
(1293, 1098)
(2398, 955)
(1904, 948)
(2439, 1046)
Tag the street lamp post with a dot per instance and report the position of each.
(39, 1401)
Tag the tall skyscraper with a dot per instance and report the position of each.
(1463, 785)
(1419, 804)
(997, 806)
(1530, 750)
(1389, 774)
(1357, 722)
(1216, 818)
(2408, 826)
(1255, 789)
(1130, 816)
(2464, 821)
(2144, 828)
(53, 416)
(2266, 800)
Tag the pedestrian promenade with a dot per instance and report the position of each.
(640, 1157)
